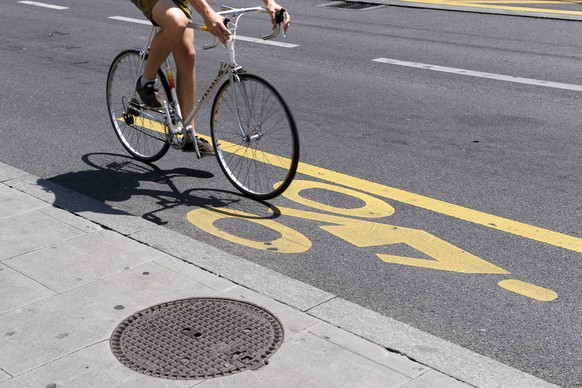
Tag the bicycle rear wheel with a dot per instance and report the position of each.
(254, 136)
(141, 131)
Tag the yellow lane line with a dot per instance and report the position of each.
(474, 216)
(505, 8)
(528, 290)
(480, 218)
(147, 123)
(511, 2)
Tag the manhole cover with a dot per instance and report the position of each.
(197, 338)
(353, 5)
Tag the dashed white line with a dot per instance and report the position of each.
(238, 37)
(45, 5)
(131, 20)
(499, 77)
(269, 42)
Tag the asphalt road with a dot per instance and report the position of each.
(493, 266)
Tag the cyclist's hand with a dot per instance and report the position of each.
(215, 24)
(272, 8)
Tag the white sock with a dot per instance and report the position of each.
(145, 81)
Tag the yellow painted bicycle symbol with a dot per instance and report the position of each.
(360, 228)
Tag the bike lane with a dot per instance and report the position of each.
(361, 228)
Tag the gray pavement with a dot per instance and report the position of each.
(72, 269)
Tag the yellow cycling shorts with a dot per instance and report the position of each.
(146, 7)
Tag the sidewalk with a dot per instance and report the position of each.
(72, 269)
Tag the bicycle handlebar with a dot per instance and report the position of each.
(280, 18)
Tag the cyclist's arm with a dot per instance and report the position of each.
(214, 22)
(272, 8)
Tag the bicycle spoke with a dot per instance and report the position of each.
(264, 149)
(140, 131)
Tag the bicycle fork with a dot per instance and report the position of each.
(250, 130)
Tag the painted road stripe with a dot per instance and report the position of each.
(45, 5)
(480, 218)
(238, 37)
(514, 2)
(485, 5)
(268, 42)
(499, 77)
(462, 213)
(131, 20)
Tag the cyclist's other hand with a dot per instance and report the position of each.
(272, 8)
(215, 24)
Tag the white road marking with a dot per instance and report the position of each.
(131, 20)
(268, 42)
(45, 5)
(238, 37)
(499, 77)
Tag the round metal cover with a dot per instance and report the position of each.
(197, 338)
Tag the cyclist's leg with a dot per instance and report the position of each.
(173, 23)
(185, 58)
(173, 16)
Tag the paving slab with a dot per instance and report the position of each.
(30, 231)
(451, 359)
(17, 290)
(4, 376)
(370, 350)
(79, 204)
(68, 322)
(293, 320)
(236, 269)
(8, 172)
(197, 274)
(5, 190)
(309, 361)
(82, 260)
(93, 366)
(434, 379)
(12, 203)
(71, 219)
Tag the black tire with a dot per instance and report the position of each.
(262, 164)
(141, 131)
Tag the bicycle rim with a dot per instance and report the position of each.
(141, 131)
(256, 145)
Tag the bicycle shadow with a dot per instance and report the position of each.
(119, 178)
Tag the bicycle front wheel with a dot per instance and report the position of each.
(254, 136)
(141, 131)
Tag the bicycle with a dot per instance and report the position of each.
(252, 130)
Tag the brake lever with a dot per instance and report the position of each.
(216, 41)
(280, 18)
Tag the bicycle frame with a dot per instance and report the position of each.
(252, 130)
(174, 120)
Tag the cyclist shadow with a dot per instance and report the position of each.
(118, 178)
